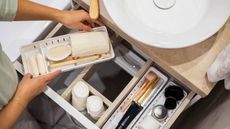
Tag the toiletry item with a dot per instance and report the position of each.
(74, 60)
(136, 105)
(58, 53)
(173, 94)
(150, 78)
(90, 43)
(129, 115)
(148, 92)
(80, 93)
(94, 9)
(170, 103)
(29, 67)
(149, 123)
(174, 91)
(95, 107)
(159, 112)
(41, 64)
(32, 66)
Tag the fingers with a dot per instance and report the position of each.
(84, 27)
(91, 21)
(86, 17)
(51, 76)
(99, 23)
(28, 76)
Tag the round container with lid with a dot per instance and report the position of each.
(95, 106)
(80, 94)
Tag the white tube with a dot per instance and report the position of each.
(41, 64)
(33, 66)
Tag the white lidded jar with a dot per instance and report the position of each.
(95, 107)
(80, 94)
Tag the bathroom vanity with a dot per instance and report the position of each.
(185, 66)
(117, 80)
(188, 65)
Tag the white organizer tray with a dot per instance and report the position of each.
(41, 47)
(117, 115)
(159, 100)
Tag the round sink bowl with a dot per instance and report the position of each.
(169, 23)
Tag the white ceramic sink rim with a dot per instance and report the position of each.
(202, 30)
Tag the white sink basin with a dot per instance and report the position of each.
(169, 23)
(13, 35)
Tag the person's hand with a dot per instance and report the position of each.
(30, 87)
(78, 19)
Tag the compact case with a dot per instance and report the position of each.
(41, 48)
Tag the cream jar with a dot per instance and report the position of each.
(80, 94)
(95, 107)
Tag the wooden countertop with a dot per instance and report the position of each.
(188, 65)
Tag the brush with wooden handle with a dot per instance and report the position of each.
(136, 106)
(74, 61)
(94, 9)
(146, 94)
(150, 78)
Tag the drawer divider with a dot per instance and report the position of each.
(69, 109)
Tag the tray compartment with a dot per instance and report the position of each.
(108, 78)
(42, 46)
(123, 91)
(159, 100)
(117, 115)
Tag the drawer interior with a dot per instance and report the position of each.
(110, 81)
(108, 78)
(62, 82)
(156, 98)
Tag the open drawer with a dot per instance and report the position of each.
(162, 90)
(112, 103)
(111, 86)
(112, 81)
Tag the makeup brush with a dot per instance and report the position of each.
(136, 105)
(150, 78)
(147, 92)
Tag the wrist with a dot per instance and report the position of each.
(21, 98)
(60, 17)
(20, 101)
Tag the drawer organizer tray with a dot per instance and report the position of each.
(110, 105)
(159, 100)
(41, 47)
(118, 114)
